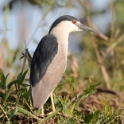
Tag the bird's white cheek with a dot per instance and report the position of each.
(76, 29)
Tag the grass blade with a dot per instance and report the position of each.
(27, 113)
(48, 117)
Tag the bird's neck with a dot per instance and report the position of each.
(62, 38)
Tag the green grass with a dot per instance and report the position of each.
(70, 108)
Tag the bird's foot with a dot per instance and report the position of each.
(51, 112)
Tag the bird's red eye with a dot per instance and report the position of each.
(74, 21)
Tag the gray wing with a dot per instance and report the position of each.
(43, 56)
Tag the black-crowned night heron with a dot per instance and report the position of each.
(50, 59)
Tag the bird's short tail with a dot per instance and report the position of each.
(39, 95)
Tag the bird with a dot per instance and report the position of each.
(50, 59)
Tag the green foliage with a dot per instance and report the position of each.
(2, 80)
(67, 109)
(91, 89)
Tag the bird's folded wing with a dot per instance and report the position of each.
(43, 56)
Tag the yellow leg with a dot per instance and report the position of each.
(42, 112)
(53, 106)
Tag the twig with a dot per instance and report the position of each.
(112, 17)
(41, 20)
(108, 50)
(112, 30)
(4, 112)
(99, 34)
(113, 45)
(103, 69)
(28, 105)
(24, 63)
(1, 115)
(99, 89)
(99, 58)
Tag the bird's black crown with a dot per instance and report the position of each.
(60, 19)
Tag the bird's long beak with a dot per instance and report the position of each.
(84, 27)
